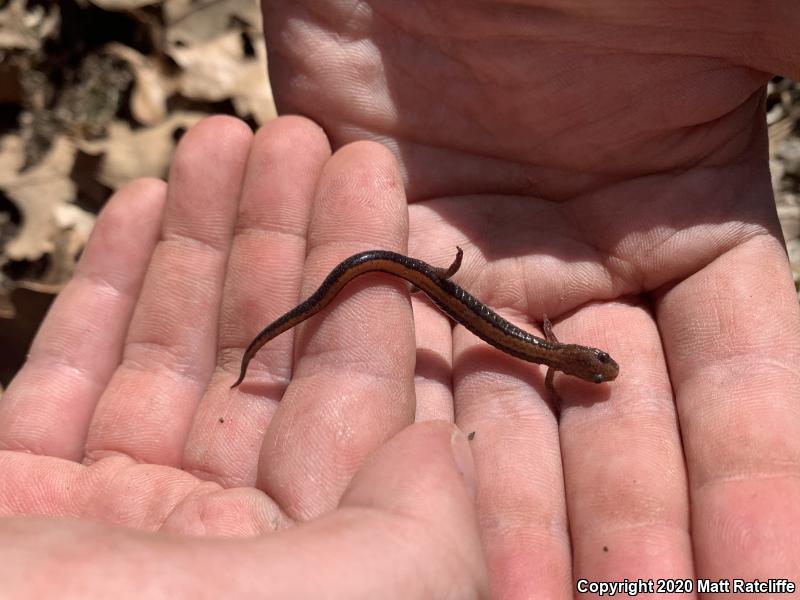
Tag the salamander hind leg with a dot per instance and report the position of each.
(454, 266)
(448, 272)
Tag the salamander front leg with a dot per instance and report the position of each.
(547, 327)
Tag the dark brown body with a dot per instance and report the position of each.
(587, 363)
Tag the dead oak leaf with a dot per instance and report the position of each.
(219, 70)
(128, 154)
(38, 193)
(151, 86)
(191, 22)
(26, 28)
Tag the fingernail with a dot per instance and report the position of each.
(462, 454)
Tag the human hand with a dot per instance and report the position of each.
(605, 163)
(307, 482)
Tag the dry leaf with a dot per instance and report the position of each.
(12, 157)
(37, 193)
(75, 225)
(146, 152)
(25, 28)
(190, 22)
(151, 87)
(219, 70)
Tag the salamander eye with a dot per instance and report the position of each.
(603, 357)
(597, 378)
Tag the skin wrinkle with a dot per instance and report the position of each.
(97, 281)
(61, 355)
(788, 473)
(49, 364)
(754, 125)
(345, 366)
(732, 364)
(269, 232)
(203, 489)
(271, 373)
(600, 255)
(95, 477)
(176, 371)
(137, 478)
(733, 241)
(557, 134)
(737, 464)
(185, 242)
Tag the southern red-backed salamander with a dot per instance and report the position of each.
(587, 363)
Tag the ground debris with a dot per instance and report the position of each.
(96, 93)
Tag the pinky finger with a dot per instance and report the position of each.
(48, 405)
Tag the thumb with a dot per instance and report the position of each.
(405, 528)
(425, 463)
(418, 490)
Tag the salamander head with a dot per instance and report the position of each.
(590, 364)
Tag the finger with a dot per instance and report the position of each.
(351, 386)
(48, 406)
(433, 373)
(406, 528)
(263, 282)
(624, 474)
(732, 340)
(119, 491)
(424, 478)
(521, 507)
(407, 520)
(171, 345)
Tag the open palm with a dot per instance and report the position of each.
(605, 169)
(607, 165)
